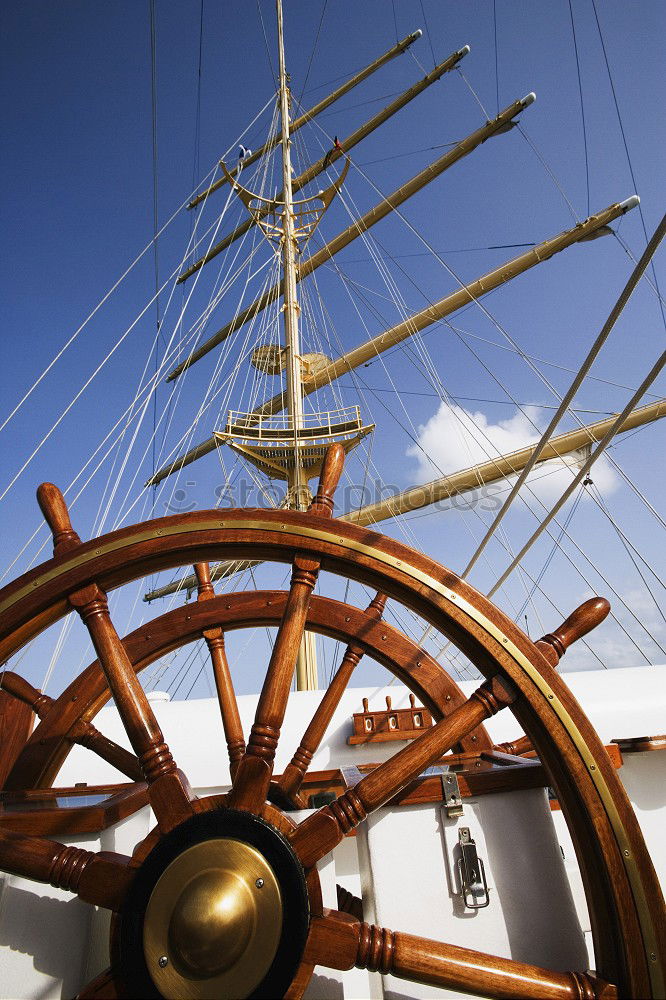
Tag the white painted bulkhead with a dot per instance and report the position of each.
(403, 860)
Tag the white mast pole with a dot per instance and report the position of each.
(298, 495)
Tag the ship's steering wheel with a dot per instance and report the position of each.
(193, 882)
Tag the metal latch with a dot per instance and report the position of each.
(452, 797)
(473, 886)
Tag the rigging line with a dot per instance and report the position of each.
(225, 353)
(484, 340)
(474, 94)
(620, 535)
(175, 396)
(82, 390)
(140, 420)
(204, 663)
(475, 336)
(208, 398)
(408, 533)
(186, 665)
(418, 62)
(555, 548)
(631, 257)
(197, 118)
(506, 546)
(582, 109)
(501, 329)
(575, 566)
(361, 104)
(122, 277)
(537, 360)
(268, 50)
(424, 253)
(626, 148)
(569, 395)
(579, 549)
(658, 366)
(505, 390)
(395, 21)
(153, 95)
(615, 464)
(411, 152)
(146, 388)
(97, 308)
(312, 54)
(480, 399)
(427, 28)
(534, 149)
(496, 60)
(546, 166)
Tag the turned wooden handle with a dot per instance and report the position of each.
(53, 507)
(581, 621)
(18, 687)
(331, 471)
(517, 747)
(204, 585)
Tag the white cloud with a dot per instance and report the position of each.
(455, 438)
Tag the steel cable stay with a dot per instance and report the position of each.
(197, 329)
(502, 387)
(145, 390)
(648, 280)
(207, 399)
(150, 446)
(125, 273)
(86, 384)
(626, 150)
(582, 105)
(656, 369)
(627, 547)
(410, 537)
(501, 329)
(572, 562)
(361, 388)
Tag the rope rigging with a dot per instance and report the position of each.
(229, 380)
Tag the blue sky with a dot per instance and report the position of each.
(77, 179)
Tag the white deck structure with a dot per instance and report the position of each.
(402, 862)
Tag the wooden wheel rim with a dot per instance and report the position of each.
(48, 745)
(623, 894)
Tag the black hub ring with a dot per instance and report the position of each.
(252, 830)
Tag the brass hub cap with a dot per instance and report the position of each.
(213, 921)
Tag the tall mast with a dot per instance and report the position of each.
(298, 493)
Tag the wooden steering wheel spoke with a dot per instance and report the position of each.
(226, 696)
(169, 792)
(102, 879)
(81, 732)
(322, 831)
(294, 773)
(337, 941)
(255, 769)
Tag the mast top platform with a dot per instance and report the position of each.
(276, 443)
